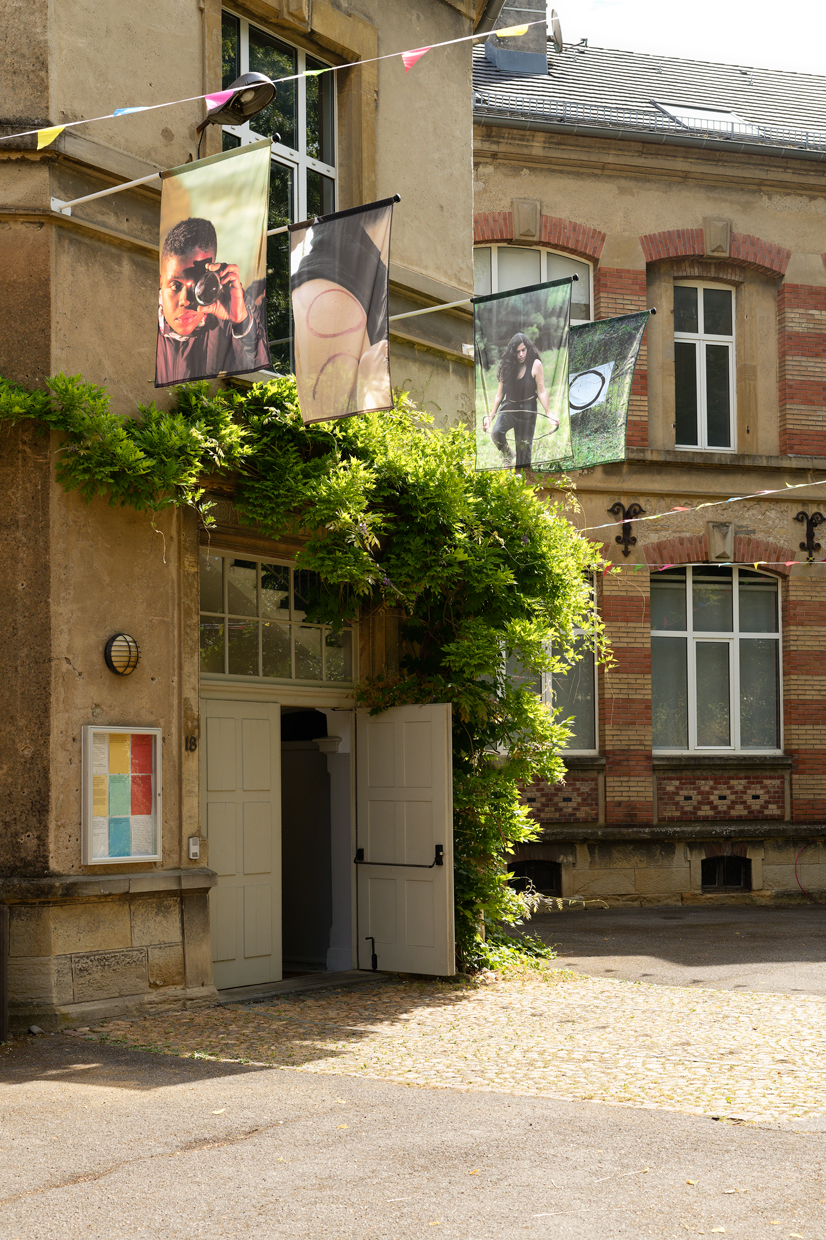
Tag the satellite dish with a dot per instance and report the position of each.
(556, 32)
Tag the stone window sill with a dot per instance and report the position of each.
(717, 762)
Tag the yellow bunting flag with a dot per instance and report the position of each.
(511, 32)
(45, 136)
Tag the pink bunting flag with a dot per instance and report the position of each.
(218, 100)
(409, 58)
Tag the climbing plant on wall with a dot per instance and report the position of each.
(393, 515)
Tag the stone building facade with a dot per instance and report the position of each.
(670, 183)
(95, 940)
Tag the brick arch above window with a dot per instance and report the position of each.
(554, 232)
(707, 269)
(693, 549)
(744, 250)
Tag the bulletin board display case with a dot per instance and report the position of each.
(121, 795)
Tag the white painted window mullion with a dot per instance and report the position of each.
(691, 662)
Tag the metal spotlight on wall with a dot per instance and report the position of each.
(122, 654)
(252, 93)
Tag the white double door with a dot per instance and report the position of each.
(404, 794)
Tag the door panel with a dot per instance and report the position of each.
(242, 816)
(256, 755)
(221, 833)
(404, 810)
(257, 838)
(382, 751)
(418, 759)
(220, 762)
(257, 920)
(223, 906)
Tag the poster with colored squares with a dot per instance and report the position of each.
(122, 819)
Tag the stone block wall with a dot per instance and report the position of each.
(645, 872)
(637, 872)
(72, 960)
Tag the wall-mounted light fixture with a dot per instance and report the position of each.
(122, 654)
(252, 93)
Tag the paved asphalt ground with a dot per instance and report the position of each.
(97, 1141)
(773, 950)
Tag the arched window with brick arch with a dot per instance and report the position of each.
(499, 267)
(715, 660)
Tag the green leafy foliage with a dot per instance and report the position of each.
(393, 515)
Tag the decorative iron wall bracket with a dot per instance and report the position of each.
(626, 516)
(438, 859)
(812, 520)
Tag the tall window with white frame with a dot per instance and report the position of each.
(300, 122)
(572, 695)
(715, 660)
(499, 268)
(704, 366)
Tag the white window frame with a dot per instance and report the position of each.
(548, 699)
(732, 639)
(298, 160)
(701, 338)
(720, 121)
(546, 694)
(544, 251)
(293, 617)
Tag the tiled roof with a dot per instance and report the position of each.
(608, 89)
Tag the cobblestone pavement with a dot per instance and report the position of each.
(550, 1033)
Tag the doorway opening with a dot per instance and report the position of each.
(315, 842)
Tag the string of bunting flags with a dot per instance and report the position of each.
(660, 568)
(216, 99)
(714, 503)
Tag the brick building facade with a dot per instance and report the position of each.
(706, 780)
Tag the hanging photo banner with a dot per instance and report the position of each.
(213, 247)
(339, 285)
(603, 356)
(521, 350)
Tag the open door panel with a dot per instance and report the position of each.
(404, 854)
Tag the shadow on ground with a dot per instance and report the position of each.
(289, 1031)
(779, 950)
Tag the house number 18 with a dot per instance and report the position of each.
(190, 743)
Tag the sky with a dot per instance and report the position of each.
(786, 34)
